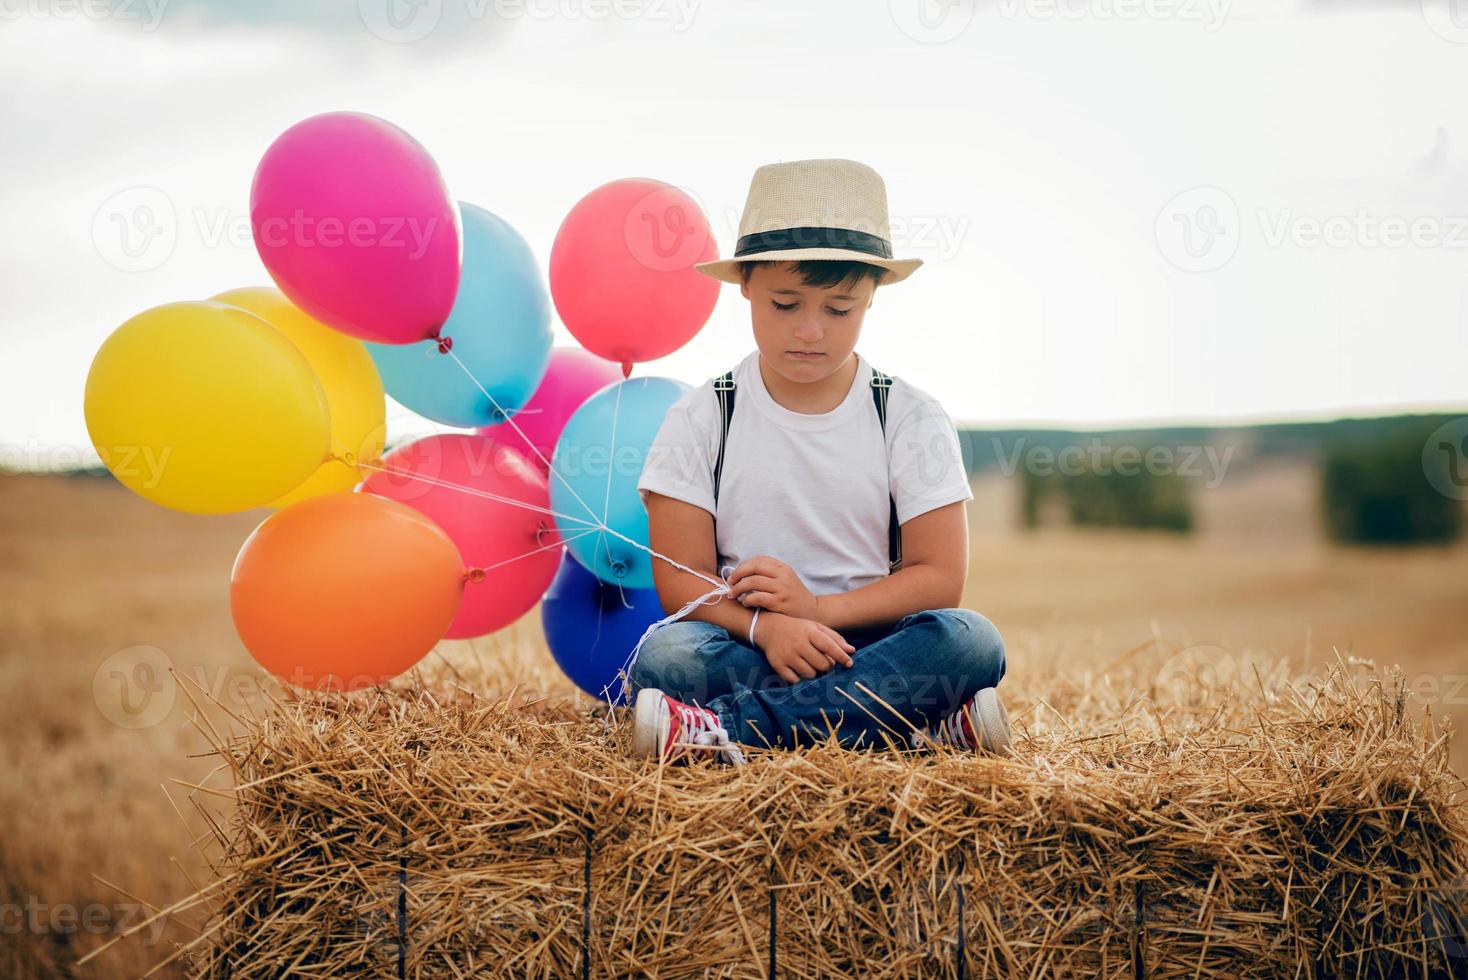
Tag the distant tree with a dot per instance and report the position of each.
(1375, 489)
(1099, 496)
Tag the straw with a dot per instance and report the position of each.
(1208, 827)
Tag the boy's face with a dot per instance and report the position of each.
(804, 333)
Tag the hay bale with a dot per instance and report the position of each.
(1156, 822)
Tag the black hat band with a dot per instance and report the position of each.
(783, 239)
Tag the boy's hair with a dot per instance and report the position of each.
(822, 273)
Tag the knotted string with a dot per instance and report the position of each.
(716, 595)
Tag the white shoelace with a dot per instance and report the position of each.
(950, 732)
(704, 730)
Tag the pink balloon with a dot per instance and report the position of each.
(353, 221)
(622, 275)
(572, 377)
(514, 549)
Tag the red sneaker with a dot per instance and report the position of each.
(981, 724)
(671, 731)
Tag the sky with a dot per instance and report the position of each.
(1129, 210)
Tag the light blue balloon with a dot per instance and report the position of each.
(594, 475)
(500, 327)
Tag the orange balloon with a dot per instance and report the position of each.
(344, 591)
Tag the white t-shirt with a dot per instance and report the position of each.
(810, 490)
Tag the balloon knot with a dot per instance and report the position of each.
(475, 575)
(445, 344)
(626, 369)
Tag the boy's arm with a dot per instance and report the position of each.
(685, 533)
(933, 573)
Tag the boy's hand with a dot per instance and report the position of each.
(800, 648)
(767, 583)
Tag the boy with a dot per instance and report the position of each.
(801, 493)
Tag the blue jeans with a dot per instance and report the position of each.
(924, 668)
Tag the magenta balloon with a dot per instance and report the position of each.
(572, 377)
(622, 270)
(353, 221)
(517, 547)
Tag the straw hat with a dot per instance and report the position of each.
(814, 209)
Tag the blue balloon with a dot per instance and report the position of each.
(590, 628)
(594, 473)
(500, 328)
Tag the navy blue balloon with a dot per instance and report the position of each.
(590, 631)
(500, 329)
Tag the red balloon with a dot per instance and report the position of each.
(622, 270)
(517, 548)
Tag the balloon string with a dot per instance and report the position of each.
(475, 491)
(546, 547)
(601, 524)
(606, 505)
(510, 421)
(625, 671)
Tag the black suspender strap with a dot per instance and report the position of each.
(724, 390)
(881, 385)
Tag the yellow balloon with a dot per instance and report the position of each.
(347, 375)
(205, 408)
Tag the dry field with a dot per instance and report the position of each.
(99, 820)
